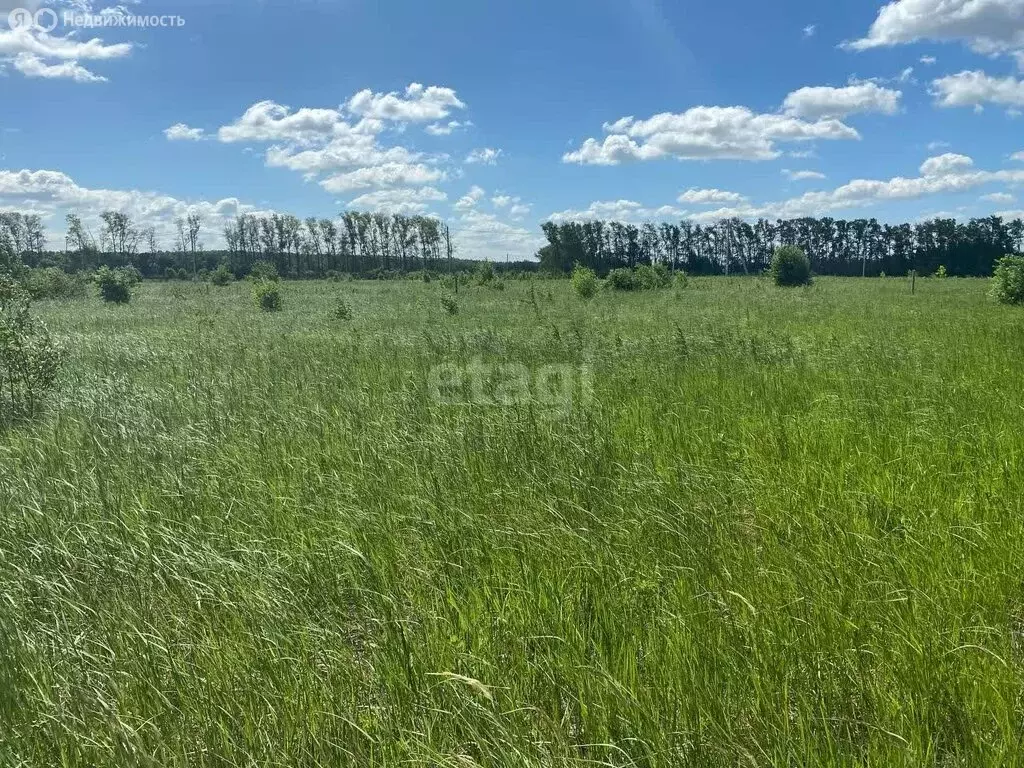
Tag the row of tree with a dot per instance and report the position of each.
(358, 243)
(366, 243)
(120, 243)
(835, 246)
(355, 242)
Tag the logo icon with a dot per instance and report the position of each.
(45, 20)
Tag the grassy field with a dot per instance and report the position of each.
(762, 527)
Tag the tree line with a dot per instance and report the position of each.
(355, 242)
(835, 246)
(374, 244)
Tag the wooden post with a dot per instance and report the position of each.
(450, 251)
(913, 281)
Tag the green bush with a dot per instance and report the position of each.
(584, 281)
(267, 295)
(53, 283)
(941, 271)
(114, 284)
(484, 272)
(651, 277)
(646, 277)
(342, 310)
(131, 275)
(222, 276)
(622, 279)
(790, 266)
(264, 270)
(1008, 281)
(449, 304)
(682, 279)
(29, 358)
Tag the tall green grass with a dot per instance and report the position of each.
(787, 529)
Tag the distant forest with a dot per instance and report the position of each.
(835, 246)
(380, 245)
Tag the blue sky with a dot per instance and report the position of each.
(497, 117)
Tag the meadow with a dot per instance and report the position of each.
(771, 527)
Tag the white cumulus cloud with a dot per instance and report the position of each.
(482, 235)
(974, 89)
(986, 26)
(802, 175)
(345, 148)
(709, 197)
(53, 194)
(38, 54)
(484, 156)
(182, 132)
(406, 201)
(446, 129)
(618, 210)
(417, 104)
(949, 173)
(270, 121)
(704, 133)
(943, 165)
(821, 101)
(470, 199)
(31, 65)
(386, 175)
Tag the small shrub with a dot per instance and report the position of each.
(131, 275)
(484, 272)
(53, 283)
(449, 304)
(114, 285)
(790, 266)
(941, 271)
(682, 279)
(1008, 280)
(222, 276)
(584, 281)
(651, 277)
(379, 273)
(172, 273)
(342, 310)
(264, 271)
(267, 295)
(622, 279)
(29, 358)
